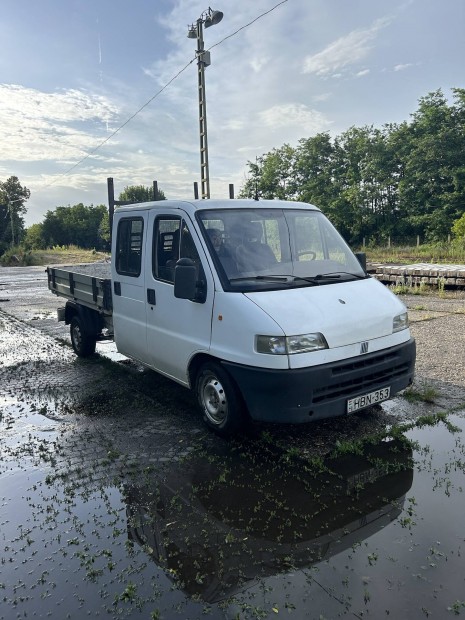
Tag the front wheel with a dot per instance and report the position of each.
(83, 343)
(219, 400)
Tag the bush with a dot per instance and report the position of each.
(16, 257)
(458, 228)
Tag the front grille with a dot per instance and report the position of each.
(364, 362)
(362, 375)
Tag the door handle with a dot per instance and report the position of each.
(151, 296)
(117, 288)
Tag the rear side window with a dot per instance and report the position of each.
(129, 246)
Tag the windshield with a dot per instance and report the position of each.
(257, 249)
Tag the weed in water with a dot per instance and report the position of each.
(456, 607)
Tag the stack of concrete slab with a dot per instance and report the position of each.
(420, 273)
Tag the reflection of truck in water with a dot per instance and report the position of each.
(259, 306)
(218, 527)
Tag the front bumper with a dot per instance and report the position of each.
(306, 394)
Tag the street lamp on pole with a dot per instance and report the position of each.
(195, 31)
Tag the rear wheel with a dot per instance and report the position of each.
(219, 400)
(83, 343)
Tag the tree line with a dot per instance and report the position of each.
(402, 180)
(399, 181)
(81, 225)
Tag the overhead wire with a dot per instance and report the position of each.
(113, 133)
(229, 36)
(157, 94)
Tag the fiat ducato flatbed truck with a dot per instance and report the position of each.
(259, 307)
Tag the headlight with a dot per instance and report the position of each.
(400, 322)
(282, 345)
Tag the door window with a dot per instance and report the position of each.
(172, 240)
(129, 246)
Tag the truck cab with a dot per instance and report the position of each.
(258, 306)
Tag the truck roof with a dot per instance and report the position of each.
(200, 205)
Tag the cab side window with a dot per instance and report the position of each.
(129, 246)
(172, 240)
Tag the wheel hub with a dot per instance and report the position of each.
(77, 336)
(214, 400)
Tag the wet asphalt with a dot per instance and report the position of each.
(115, 501)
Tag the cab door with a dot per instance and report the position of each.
(177, 329)
(128, 294)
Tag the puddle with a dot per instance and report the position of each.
(234, 531)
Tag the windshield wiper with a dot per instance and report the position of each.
(289, 279)
(335, 275)
(338, 274)
(265, 278)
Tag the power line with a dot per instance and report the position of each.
(149, 101)
(229, 36)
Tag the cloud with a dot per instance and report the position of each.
(300, 115)
(403, 67)
(362, 73)
(345, 51)
(59, 126)
(321, 97)
(257, 64)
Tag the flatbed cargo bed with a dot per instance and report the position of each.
(89, 284)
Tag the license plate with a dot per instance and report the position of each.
(359, 402)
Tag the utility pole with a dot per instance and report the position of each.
(209, 18)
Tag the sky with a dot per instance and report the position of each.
(74, 72)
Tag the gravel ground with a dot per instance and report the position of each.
(438, 325)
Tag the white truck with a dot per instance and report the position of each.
(260, 307)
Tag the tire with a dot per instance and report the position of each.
(83, 343)
(219, 400)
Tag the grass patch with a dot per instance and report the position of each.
(410, 289)
(424, 394)
(58, 255)
(445, 252)
(66, 254)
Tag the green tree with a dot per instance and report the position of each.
(400, 180)
(458, 227)
(272, 176)
(74, 225)
(433, 182)
(13, 197)
(34, 237)
(314, 170)
(140, 193)
(104, 230)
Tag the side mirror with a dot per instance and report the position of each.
(362, 259)
(186, 285)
